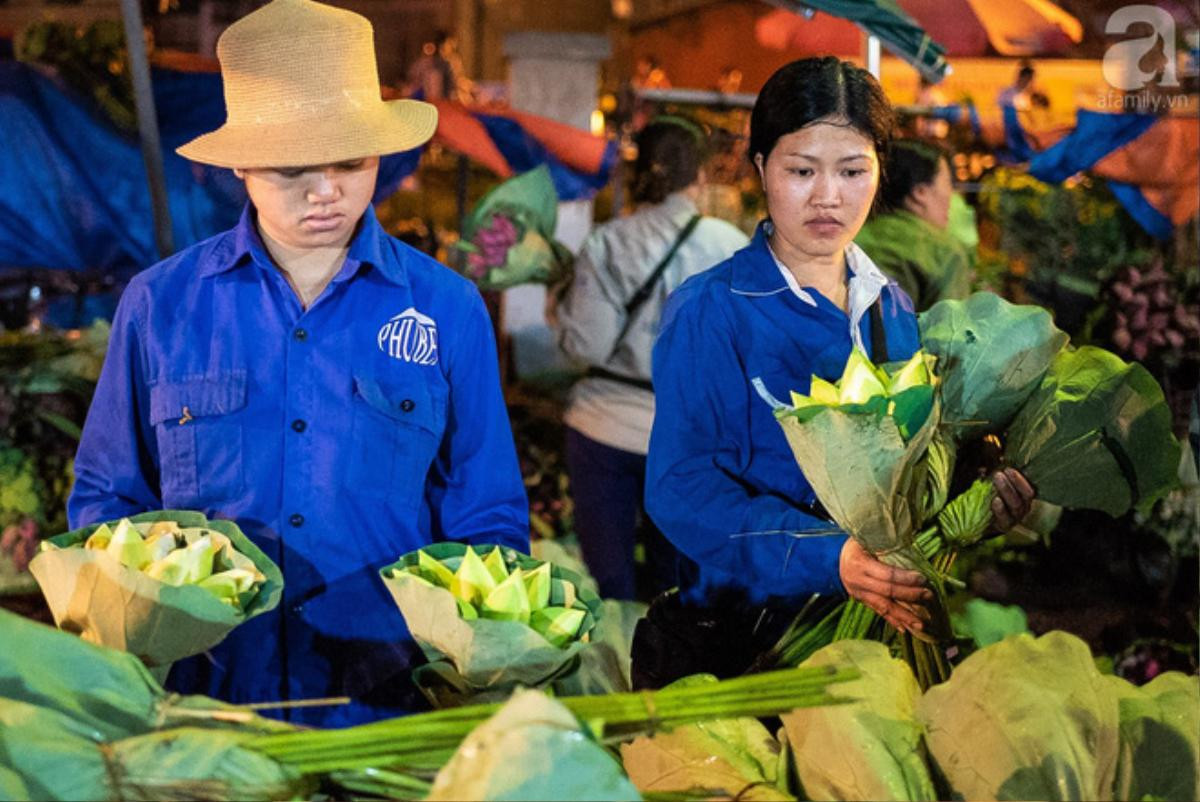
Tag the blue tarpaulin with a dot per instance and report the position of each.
(73, 189)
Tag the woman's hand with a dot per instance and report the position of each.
(1014, 498)
(894, 593)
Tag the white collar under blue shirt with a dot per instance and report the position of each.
(866, 282)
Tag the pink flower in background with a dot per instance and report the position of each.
(493, 243)
(20, 541)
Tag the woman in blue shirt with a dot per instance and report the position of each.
(333, 391)
(722, 483)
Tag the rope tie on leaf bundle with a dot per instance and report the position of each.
(652, 719)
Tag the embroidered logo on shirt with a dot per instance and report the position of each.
(410, 336)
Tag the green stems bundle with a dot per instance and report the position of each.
(423, 742)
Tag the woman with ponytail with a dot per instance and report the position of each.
(607, 320)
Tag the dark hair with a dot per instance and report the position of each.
(1026, 71)
(670, 153)
(911, 163)
(812, 89)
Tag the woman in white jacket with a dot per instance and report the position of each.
(607, 320)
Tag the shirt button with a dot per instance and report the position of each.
(300, 334)
(297, 609)
(296, 520)
(407, 405)
(299, 425)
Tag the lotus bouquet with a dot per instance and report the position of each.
(162, 585)
(881, 446)
(489, 619)
(509, 235)
(860, 442)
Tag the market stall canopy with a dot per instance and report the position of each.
(898, 32)
(1010, 27)
(1151, 162)
(956, 27)
(508, 142)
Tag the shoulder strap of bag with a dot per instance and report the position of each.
(643, 292)
(879, 348)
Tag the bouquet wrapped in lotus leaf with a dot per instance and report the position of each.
(161, 585)
(881, 447)
(509, 235)
(489, 618)
(860, 443)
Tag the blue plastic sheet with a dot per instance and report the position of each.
(73, 188)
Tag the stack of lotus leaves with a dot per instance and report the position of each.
(175, 555)
(485, 587)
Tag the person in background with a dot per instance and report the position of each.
(328, 388)
(721, 480)
(648, 73)
(729, 82)
(930, 96)
(1019, 95)
(438, 74)
(607, 319)
(910, 240)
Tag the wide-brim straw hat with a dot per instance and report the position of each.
(302, 89)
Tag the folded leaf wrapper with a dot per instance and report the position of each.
(1025, 718)
(870, 748)
(1096, 434)
(864, 474)
(531, 749)
(1160, 737)
(991, 356)
(91, 593)
(733, 758)
(482, 655)
(80, 722)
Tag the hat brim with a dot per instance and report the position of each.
(387, 127)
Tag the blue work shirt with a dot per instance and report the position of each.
(721, 481)
(338, 437)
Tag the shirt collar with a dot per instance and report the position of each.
(866, 279)
(366, 248)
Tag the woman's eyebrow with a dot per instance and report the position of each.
(810, 157)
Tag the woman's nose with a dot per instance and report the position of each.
(825, 190)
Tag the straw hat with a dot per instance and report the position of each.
(301, 88)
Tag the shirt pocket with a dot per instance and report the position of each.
(200, 438)
(397, 430)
